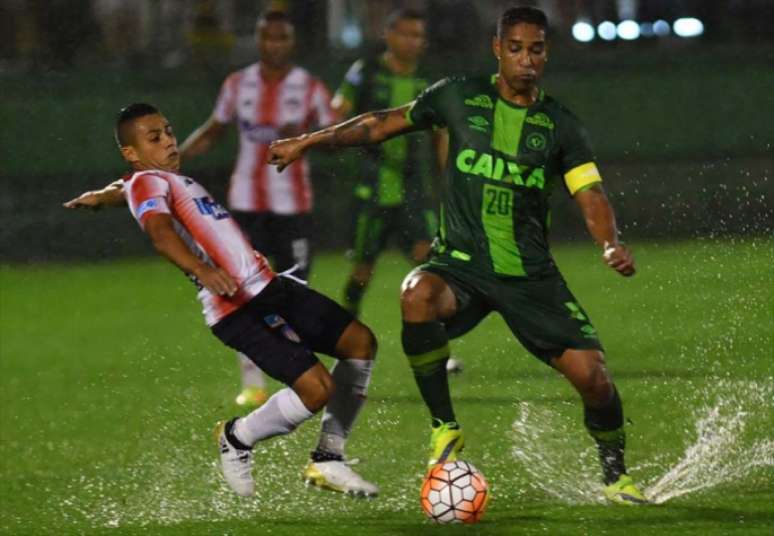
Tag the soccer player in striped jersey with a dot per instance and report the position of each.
(510, 145)
(275, 321)
(267, 100)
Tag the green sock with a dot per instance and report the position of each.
(426, 346)
(353, 295)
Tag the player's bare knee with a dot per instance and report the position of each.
(364, 345)
(317, 397)
(418, 298)
(315, 387)
(357, 342)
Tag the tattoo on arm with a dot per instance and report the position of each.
(359, 130)
(371, 127)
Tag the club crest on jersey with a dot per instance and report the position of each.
(536, 141)
(481, 101)
(208, 207)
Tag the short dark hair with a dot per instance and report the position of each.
(514, 15)
(403, 14)
(126, 117)
(274, 15)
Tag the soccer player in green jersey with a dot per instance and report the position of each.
(509, 146)
(390, 195)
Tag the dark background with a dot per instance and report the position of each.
(683, 127)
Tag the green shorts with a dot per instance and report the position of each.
(542, 313)
(374, 225)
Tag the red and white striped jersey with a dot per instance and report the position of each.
(260, 109)
(207, 229)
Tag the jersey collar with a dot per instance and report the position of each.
(493, 82)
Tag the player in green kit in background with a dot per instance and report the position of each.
(509, 146)
(391, 195)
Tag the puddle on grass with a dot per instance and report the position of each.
(723, 439)
(723, 444)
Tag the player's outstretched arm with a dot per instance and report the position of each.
(202, 139)
(364, 129)
(167, 242)
(111, 195)
(600, 221)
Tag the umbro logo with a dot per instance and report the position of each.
(480, 101)
(479, 123)
(540, 119)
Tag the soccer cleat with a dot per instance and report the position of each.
(445, 443)
(454, 365)
(623, 491)
(338, 476)
(252, 397)
(236, 464)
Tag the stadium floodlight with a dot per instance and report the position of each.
(351, 36)
(688, 27)
(661, 28)
(583, 31)
(628, 30)
(646, 29)
(606, 30)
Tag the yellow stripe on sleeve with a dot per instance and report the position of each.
(581, 176)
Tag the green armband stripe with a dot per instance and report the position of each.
(461, 255)
(608, 436)
(428, 358)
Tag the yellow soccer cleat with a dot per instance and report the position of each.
(623, 491)
(252, 397)
(335, 475)
(446, 440)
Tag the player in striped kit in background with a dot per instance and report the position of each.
(268, 100)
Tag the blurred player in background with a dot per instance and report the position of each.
(509, 145)
(274, 320)
(392, 196)
(268, 100)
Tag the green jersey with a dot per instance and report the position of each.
(504, 161)
(393, 170)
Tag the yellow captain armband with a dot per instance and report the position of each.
(581, 177)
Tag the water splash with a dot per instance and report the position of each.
(725, 446)
(541, 442)
(718, 455)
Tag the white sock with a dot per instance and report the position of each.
(279, 415)
(252, 376)
(351, 377)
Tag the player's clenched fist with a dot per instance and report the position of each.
(619, 258)
(283, 152)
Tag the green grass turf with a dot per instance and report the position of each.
(110, 385)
